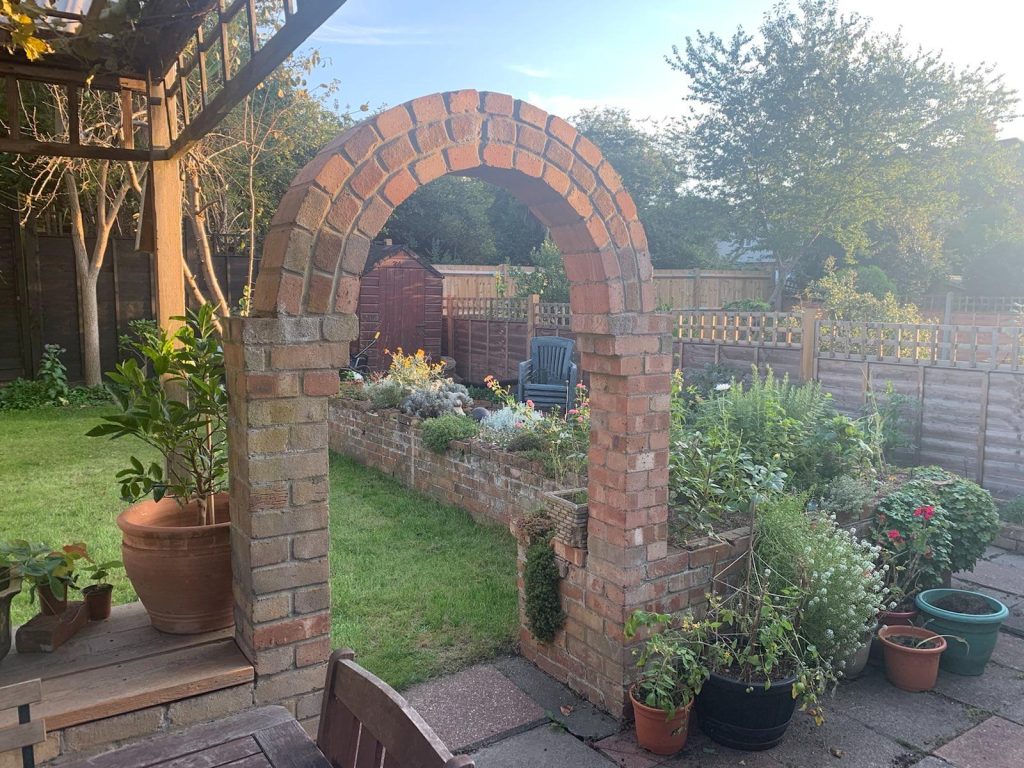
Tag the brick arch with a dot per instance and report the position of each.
(282, 365)
(319, 238)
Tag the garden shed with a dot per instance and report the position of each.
(400, 296)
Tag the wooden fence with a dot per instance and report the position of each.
(39, 296)
(677, 288)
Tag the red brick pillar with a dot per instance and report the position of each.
(280, 372)
(630, 382)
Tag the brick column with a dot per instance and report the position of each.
(630, 381)
(280, 373)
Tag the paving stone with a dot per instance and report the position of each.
(839, 741)
(923, 720)
(584, 719)
(998, 691)
(474, 707)
(1009, 651)
(1001, 574)
(702, 752)
(624, 752)
(543, 747)
(996, 743)
(931, 762)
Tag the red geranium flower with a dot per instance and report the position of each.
(894, 535)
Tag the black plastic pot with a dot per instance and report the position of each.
(745, 717)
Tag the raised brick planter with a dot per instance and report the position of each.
(489, 483)
(1011, 537)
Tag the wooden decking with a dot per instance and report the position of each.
(123, 665)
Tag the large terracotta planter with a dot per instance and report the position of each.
(911, 669)
(180, 570)
(658, 733)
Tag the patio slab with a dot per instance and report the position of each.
(922, 720)
(840, 741)
(474, 707)
(1006, 575)
(1009, 651)
(996, 743)
(998, 691)
(544, 747)
(578, 715)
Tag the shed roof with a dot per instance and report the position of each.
(381, 251)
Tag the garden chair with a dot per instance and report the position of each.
(363, 721)
(548, 378)
(27, 733)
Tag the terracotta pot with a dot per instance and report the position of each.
(181, 571)
(911, 669)
(49, 603)
(97, 601)
(655, 732)
(898, 618)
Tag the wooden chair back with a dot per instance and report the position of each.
(364, 723)
(27, 733)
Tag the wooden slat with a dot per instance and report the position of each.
(24, 735)
(287, 746)
(103, 692)
(178, 745)
(28, 692)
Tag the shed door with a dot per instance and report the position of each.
(403, 310)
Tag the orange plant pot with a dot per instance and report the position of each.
(657, 734)
(911, 669)
(180, 570)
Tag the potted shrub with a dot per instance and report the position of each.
(911, 656)
(97, 595)
(672, 673)
(761, 662)
(49, 573)
(914, 547)
(176, 547)
(972, 616)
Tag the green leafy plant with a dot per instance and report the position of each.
(172, 396)
(40, 565)
(53, 375)
(439, 433)
(914, 544)
(846, 496)
(833, 566)
(385, 393)
(671, 661)
(966, 506)
(747, 305)
(1013, 511)
(99, 573)
(49, 388)
(543, 604)
(887, 421)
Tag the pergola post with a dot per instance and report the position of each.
(163, 206)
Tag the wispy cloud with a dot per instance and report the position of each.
(524, 69)
(356, 34)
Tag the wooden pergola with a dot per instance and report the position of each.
(176, 71)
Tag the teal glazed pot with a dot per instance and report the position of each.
(979, 631)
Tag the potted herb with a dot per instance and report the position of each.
(911, 656)
(98, 594)
(672, 673)
(176, 547)
(49, 573)
(913, 554)
(969, 615)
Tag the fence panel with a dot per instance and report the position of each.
(740, 340)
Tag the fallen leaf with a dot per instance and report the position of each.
(836, 752)
(566, 709)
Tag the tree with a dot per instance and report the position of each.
(681, 229)
(821, 127)
(93, 192)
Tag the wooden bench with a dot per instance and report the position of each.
(364, 723)
(28, 732)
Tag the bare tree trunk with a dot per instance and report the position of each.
(91, 368)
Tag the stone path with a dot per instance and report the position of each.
(507, 713)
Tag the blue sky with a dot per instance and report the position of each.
(566, 54)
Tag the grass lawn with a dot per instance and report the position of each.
(57, 486)
(418, 588)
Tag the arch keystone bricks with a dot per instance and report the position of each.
(303, 307)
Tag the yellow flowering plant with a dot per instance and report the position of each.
(413, 371)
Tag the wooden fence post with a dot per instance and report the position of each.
(449, 306)
(532, 310)
(808, 344)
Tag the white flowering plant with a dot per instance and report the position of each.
(835, 569)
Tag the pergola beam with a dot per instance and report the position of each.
(300, 24)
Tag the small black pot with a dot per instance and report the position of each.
(753, 720)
